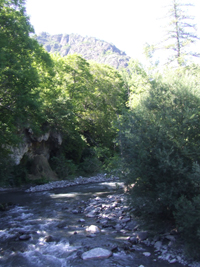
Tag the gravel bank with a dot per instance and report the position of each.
(77, 181)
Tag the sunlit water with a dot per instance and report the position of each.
(43, 214)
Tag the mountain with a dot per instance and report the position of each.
(89, 47)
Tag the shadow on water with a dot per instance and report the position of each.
(44, 229)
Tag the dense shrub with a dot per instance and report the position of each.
(6, 168)
(161, 151)
(62, 166)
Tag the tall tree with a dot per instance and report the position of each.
(21, 62)
(181, 32)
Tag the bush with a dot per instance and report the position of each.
(161, 152)
(90, 165)
(62, 166)
(6, 168)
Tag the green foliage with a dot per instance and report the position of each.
(10, 173)
(137, 82)
(40, 181)
(90, 163)
(20, 172)
(161, 148)
(63, 167)
(6, 168)
(83, 104)
(113, 165)
(20, 58)
(81, 100)
(188, 220)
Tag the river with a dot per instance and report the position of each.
(49, 229)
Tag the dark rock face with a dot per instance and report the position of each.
(38, 151)
(41, 168)
(89, 48)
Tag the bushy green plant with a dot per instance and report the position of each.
(90, 165)
(160, 147)
(6, 168)
(113, 166)
(62, 166)
(187, 217)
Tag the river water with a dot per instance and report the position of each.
(43, 229)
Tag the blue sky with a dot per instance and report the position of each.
(128, 24)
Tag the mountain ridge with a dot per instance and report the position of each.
(89, 48)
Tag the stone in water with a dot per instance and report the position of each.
(96, 253)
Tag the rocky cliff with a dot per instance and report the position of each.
(89, 48)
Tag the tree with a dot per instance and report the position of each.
(161, 154)
(181, 32)
(21, 61)
(136, 81)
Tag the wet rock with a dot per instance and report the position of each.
(91, 235)
(81, 220)
(93, 229)
(75, 211)
(48, 238)
(147, 254)
(142, 235)
(131, 225)
(158, 245)
(24, 237)
(118, 227)
(133, 239)
(172, 261)
(147, 242)
(91, 214)
(170, 237)
(20, 246)
(62, 224)
(96, 253)
(103, 222)
(114, 248)
(126, 219)
(126, 245)
(79, 253)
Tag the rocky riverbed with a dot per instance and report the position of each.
(82, 223)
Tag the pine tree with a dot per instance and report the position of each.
(180, 33)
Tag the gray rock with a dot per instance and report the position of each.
(170, 237)
(96, 253)
(131, 225)
(81, 220)
(93, 229)
(172, 261)
(91, 214)
(75, 211)
(103, 222)
(142, 235)
(158, 245)
(147, 254)
(48, 238)
(118, 227)
(133, 239)
(126, 219)
(24, 237)
(89, 47)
